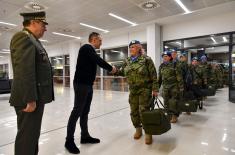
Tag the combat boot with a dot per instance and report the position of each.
(148, 139)
(138, 133)
(173, 119)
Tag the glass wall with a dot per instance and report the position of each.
(173, 45)
(203, 42)
(115, 56)
(97, 82)
(233, 67)
(219, 49)
(232, 83)
(61, 70)
(4, 73)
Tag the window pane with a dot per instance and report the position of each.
(233, 67)
(233, 38)
(174, 45)
(115, 57)
(206, 41)
(4, 71)
(232, 87)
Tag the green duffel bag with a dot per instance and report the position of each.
(188, 105)
(156, 121)
(210, 91)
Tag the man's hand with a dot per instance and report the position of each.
(155, 93)
(114, 70)
(31, 106)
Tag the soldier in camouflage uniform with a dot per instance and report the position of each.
(205, 65)
(199, 78)
(218, 76)
(184, 67)
(211, 79)
(170, 76)
(185, 71)
(142, 79)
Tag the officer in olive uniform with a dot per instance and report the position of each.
(32, 82)
(142, 79)
(170, 77)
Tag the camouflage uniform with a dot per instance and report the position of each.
(184, 69)
(211, 79)
(206, 67)
(199, 79)
(220, 76)
(170, 76)
(142, 79)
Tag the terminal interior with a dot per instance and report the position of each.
(205, 27)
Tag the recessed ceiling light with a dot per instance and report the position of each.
(94, 27)
(183, 6)
(66, 35)
(149, 5)
(123, 19)
(5, 23)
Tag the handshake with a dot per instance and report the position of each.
(114, 70)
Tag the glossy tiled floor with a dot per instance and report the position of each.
(210, 131)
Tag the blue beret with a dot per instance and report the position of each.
(183, 54)
(203, 58)
(195, 58)
(134, 42)
(166, 53)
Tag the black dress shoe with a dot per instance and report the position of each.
(71, 147)
(90, 140)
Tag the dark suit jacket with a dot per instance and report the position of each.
(32, 71)
(87, 62)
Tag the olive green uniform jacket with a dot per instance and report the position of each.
(32, 71)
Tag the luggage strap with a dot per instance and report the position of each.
(156, 101)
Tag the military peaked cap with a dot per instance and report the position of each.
(35, 16)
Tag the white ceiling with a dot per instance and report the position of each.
(65, 15)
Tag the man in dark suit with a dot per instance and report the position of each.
(87, 62)
(32, 82)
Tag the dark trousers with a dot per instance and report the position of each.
(82, 102)
(28, 133)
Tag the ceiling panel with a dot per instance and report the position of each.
(65, 15)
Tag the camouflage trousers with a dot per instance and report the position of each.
(139, 102)
(171, 99)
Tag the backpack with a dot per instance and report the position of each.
(188, 79)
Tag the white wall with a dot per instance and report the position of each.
(124, 38)
(200, 26)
